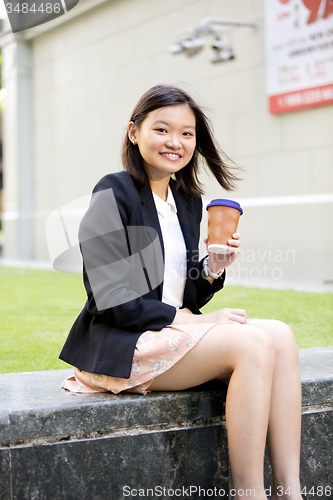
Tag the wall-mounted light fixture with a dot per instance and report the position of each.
(190, 41)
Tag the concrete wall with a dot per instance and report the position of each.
(89, 72)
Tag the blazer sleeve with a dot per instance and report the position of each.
(115, 277)
(205, 289)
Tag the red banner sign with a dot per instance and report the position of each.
(299, 54)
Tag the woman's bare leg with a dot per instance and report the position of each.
(284, 427)
(245, 353)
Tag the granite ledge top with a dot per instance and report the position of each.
(31, 391)
(316, 363)
(33, 405)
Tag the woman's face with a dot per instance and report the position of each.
(166, 140)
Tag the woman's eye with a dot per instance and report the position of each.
(161, 130)
(188, 134)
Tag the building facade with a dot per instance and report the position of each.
(71, 84)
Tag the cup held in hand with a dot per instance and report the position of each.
(217, 248)
(223, 217)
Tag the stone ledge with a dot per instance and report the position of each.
(64, 446)
(56, 444)
(316, 365)
(33, 405)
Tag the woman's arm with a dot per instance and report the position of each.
(217, 262)
(208, 286)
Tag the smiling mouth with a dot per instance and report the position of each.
(171, 156)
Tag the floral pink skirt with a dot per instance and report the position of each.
(155, 352)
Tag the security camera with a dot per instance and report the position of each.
(222, 48)
(192, 46)
(176, 49)
(219, 44)
(190, 42)
(222, 55)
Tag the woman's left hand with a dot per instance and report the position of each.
(218, 261)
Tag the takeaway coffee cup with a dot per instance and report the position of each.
(223, 217)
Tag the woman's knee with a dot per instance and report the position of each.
(233, 345)
(274, 327)
(254, 352)
(282, 337)
(257, 347)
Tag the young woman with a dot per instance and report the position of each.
(141, 328)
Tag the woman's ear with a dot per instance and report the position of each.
(132, 132)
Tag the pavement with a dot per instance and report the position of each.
(278, 284)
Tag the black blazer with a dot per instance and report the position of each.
(103, 337)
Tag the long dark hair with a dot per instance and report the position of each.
(206, 146)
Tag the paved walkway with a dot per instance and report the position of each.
(297, 285)
(281, 284)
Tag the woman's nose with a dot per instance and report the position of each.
(173, 143)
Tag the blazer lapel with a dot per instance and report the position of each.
(150, 219)
(186, 219)
(150, 216)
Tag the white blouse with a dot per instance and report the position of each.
(175, 262)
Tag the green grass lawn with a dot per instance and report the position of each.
(310, 315)
(37, 309)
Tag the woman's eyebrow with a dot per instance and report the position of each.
(161, 122)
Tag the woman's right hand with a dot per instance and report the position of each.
(223, 316)
(220, 316)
